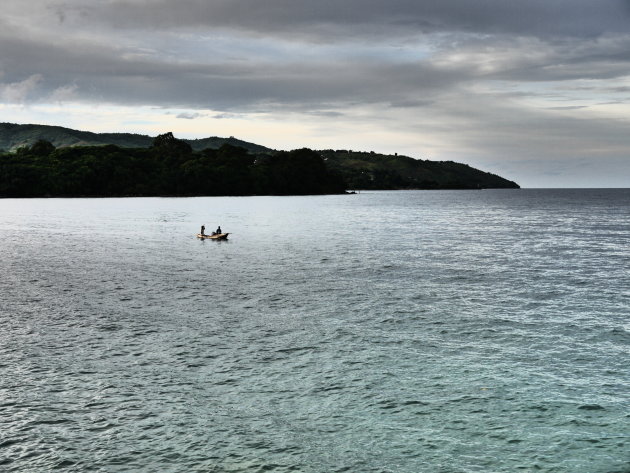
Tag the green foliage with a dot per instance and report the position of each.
(42, 148)
(376, 171)
(173, 167)
(168, 145)
(300, 171)
(170, 167)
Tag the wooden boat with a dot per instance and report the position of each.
(216, 236)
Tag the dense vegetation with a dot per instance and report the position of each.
(368, 170)
(169, 167)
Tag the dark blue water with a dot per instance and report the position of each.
(482, 331)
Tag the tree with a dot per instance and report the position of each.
(42, 148)
(167, 144)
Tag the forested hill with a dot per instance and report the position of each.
(14, 136)
(369, 170)
(128, 165)
(170, 167)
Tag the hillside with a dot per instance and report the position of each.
(355, 170)
(13, 136)
(169, 167)
(367, 170)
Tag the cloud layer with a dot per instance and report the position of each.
(493, 83)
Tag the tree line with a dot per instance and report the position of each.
(168, 167)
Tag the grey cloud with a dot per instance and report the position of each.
(60, 14)
(101, 73)
(326, 113)
(131, 69)
(411, 103)
(112, 73)
(367, 17)
(190, 115)
(568, 107)
(531, 59)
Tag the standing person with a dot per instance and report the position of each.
(203, 229)
(218, 232)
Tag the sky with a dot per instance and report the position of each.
(537, 91)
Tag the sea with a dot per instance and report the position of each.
(403, 331)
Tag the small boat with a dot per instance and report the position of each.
(216, 236)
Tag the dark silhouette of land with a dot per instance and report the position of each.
(78, 163)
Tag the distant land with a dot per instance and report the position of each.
(14, 136)
(42, 161)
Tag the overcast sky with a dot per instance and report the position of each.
(537, 91)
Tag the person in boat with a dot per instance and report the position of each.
(203, 229)
(218, 232)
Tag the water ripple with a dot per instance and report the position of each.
(482, 331)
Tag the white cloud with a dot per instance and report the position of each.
(18, 92)
(65, 93)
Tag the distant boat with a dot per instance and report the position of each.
(216, 236)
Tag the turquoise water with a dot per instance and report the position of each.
(454, 331)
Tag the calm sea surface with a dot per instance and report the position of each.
(406, 332)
